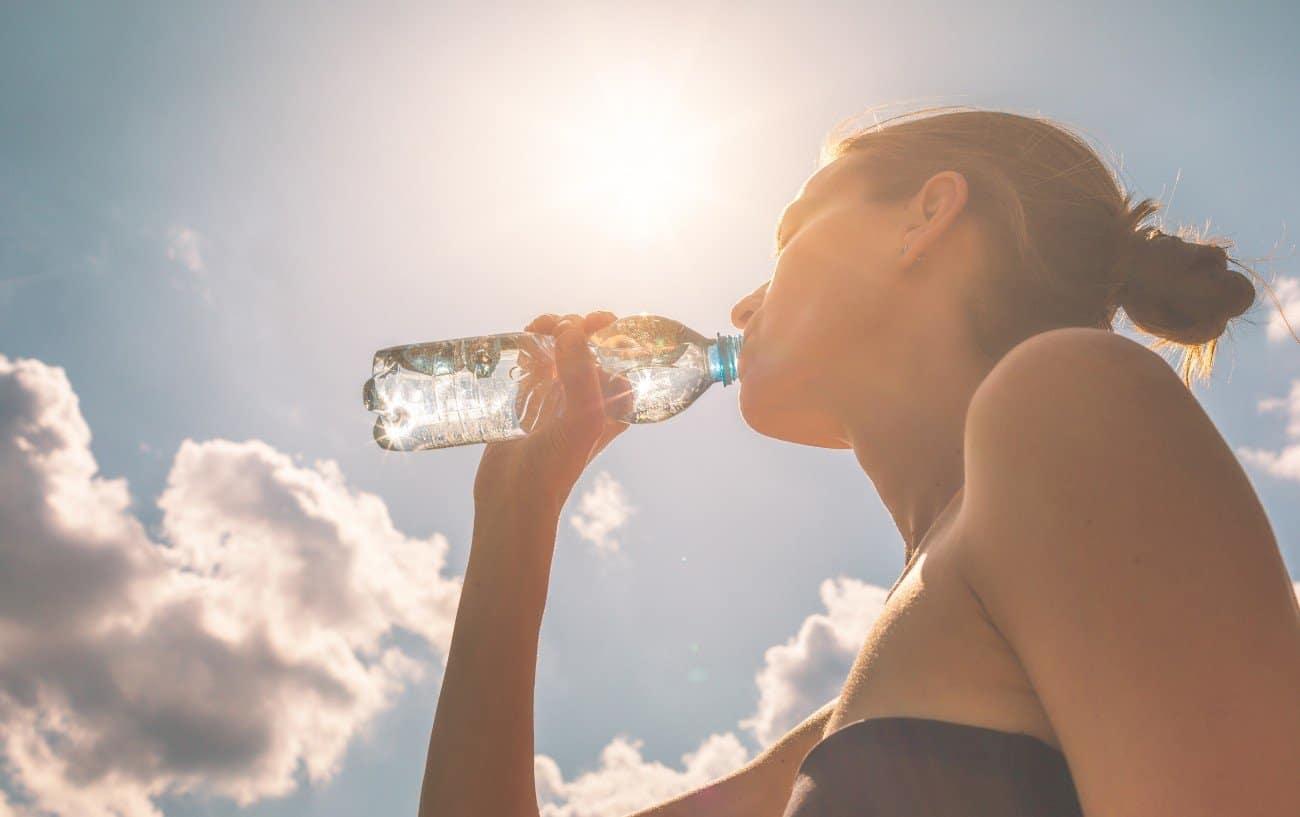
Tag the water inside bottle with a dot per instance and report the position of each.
(662, 363)
(455, 392)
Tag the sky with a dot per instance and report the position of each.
(212, 214)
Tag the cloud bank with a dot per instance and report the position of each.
(233, 656)
(625, 782)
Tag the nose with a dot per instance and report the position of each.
(746, 306)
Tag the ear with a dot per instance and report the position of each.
(931, 212)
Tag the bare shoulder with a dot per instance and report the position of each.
(1066, 373)
(1114, 540)
(1079, 412)
(1085, 427)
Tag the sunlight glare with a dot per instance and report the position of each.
(637, 161)
(643, 383)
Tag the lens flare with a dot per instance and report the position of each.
(636, 159)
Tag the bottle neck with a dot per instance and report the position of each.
(724, 358)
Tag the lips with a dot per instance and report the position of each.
(746, 348)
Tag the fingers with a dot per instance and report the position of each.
(574, 362)
(598, 320)
(570, 410)
(549, 323)
(575, 365)
(543, 324)
(583, 417)
(570, 321)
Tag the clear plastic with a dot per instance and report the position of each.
(497, 387)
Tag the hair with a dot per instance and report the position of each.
(1068, 245)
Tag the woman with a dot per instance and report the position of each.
(1093, 617)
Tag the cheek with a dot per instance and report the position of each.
(827, 292)
(814, 298)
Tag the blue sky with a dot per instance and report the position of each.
(211, 216)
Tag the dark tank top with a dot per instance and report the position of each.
(919, 767)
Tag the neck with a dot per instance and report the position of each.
(908, 435)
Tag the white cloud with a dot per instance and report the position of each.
(810, 668)
(184, 246)
(254, 641)
(1283, 463)
(602, 510)
(625, 782)
(1288, 295)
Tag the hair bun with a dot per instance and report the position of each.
(1179, 290)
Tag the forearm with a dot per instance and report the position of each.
(480, 757)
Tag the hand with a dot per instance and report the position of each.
(570, 425)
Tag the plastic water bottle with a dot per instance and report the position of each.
(496, 387)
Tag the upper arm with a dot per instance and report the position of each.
(760, 788)
(1118, 546)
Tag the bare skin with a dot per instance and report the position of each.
(1087, 562)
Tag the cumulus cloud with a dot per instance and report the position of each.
(602, 510)
(184, 246)
(1283, 463)
(809, 669)
(249, 644)
(625, 782)
(1288, 296)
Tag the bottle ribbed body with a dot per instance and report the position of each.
(456, 392)
(498, 387)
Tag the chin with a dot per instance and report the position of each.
(765, 412)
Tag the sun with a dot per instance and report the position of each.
(636, 161)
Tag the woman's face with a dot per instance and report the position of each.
(825, 309)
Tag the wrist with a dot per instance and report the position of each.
(510, 489)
